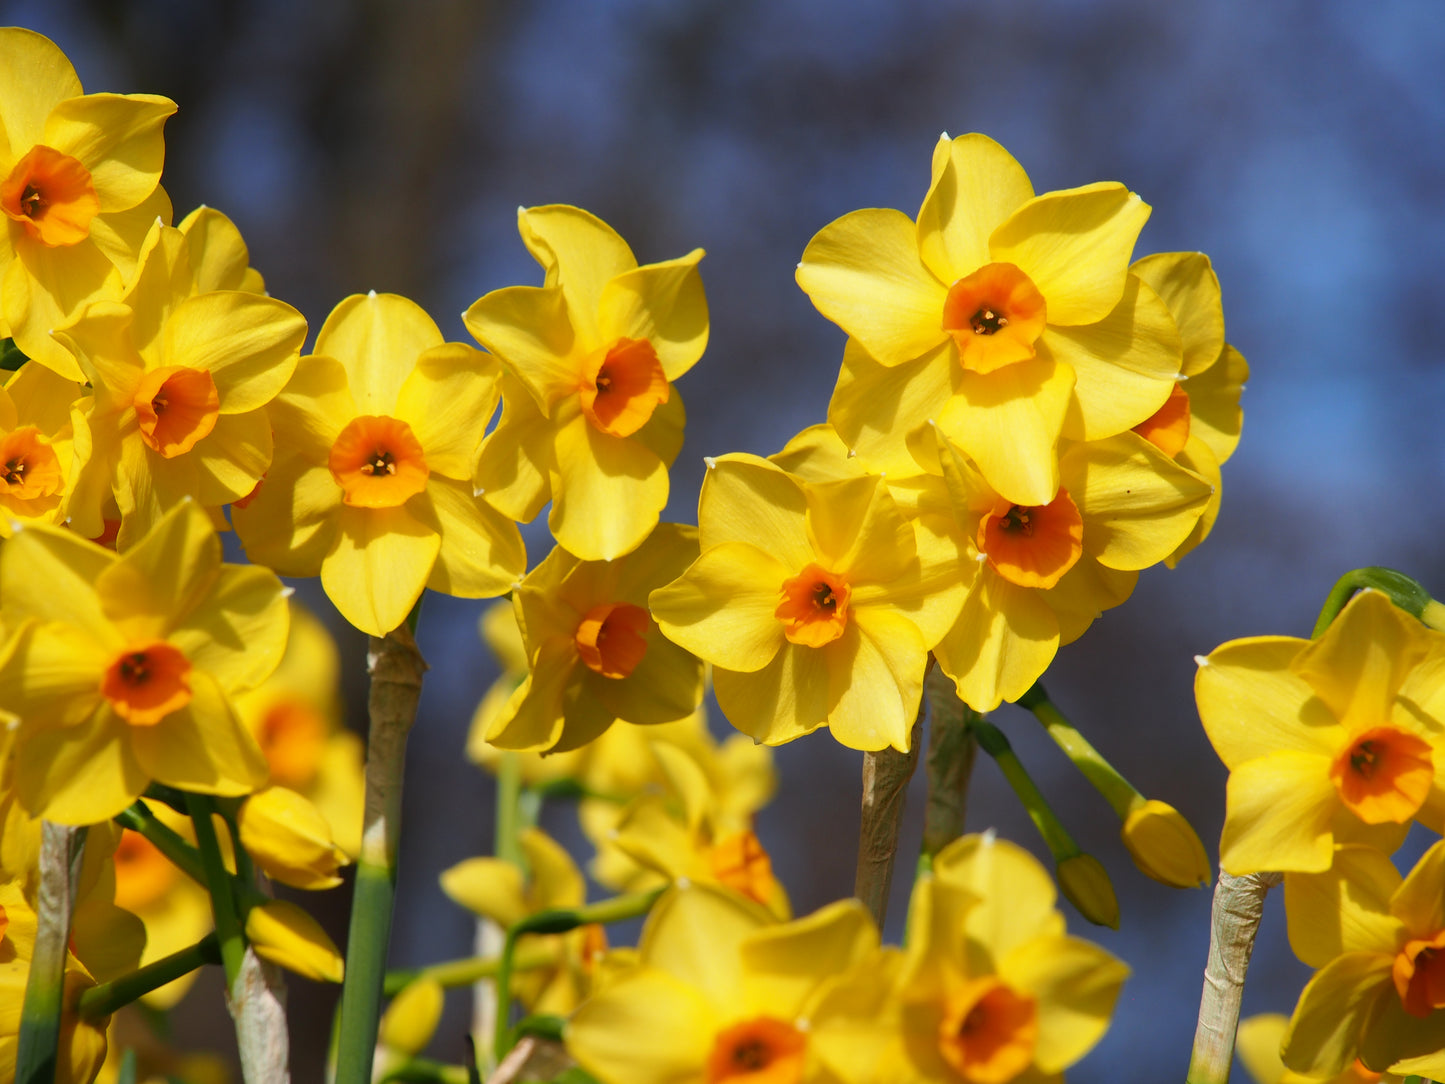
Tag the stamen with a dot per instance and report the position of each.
(15, 472)
(32, 202)
(135, 668)
(986, 321)
(381, 462)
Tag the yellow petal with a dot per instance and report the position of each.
(233, 457)
(747, 499)
(1003, 641)
(1257, 1043)
(377, 337)
(784, 700)
(783, 966)
(879, 411)
(50, 673)
(48, 573)
(1345, 908)
(1324, 1033)
(607, 493)
(530, 330)
(35, 76)
(247, 342)
(723, 607)
(290, 839)
(1214, 414)
(481, 554)
(448, 400)
(646, 1028)
(532, 717)
(159, 581)
(291, 523)
(1124, 364)
(45, 289)
(238, 632)
(1198, 459)
(489, 887)
(663, 303)
(979, 185)
(411, 1019)
(283, 933)
(579, 252)
(695, 934)
(117, 137)
(665, 686)
(875, 680)
(219, 257)
(1076, 984)
(80, 774)
(1016, 893)
(515, 461)
(863, 271)
(203, 746)
(1278, 815)
(1186, 282)
(1252, 703)
(1085, 592)
(379, 565)
(1419, 902)
(1075, 245)
(555, 879)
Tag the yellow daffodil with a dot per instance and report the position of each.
(36, 445)
(181, 379)
(79, 187)
(1336, 740)
(720, 992)
(498, 890)
(590, 419)
(1198, 425)
(1010, 319)
(295, 716)
(816, 603)
(290, 840)
(371, 483)
(1379, 943)
(1047, 571)
(991, 989)
(120, 668)
(286, 935)
(595, 655)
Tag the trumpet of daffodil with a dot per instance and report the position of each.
(816, 603)
(295, 716)
(121, 668)
(991, 988)
(79, 187)
(720, 992)
(181, 380)
(1009, 319)
(1378, 942)
(1198, 425)
(371, 485)
(596, 656)
(82, 1042)
(678, 834)
(1336, 740)
(1047, 570)
(590, 419)
(498, 890)
(290, 840)
(36, 445)
(1258, 1041)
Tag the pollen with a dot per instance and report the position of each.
(1384, 775)
(146, 683)
(622, 385)
(814, 607)
(995, 316)
(1033, 545)
(176, 408)
(611, 638)
(378, 462)
(763, 1050)
(52, 195)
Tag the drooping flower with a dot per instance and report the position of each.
(595, 654)
(1009, 319)
(120, 669)
(816, 603)
(590, 419)
(376, 435)
(1331, 741)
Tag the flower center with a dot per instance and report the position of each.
(763, 1050)
(1168, 427)
(611, 638)
(814, 610)
(740, 862)
(995, 315)
(145, 684)
(1384, 775)
(52, 195)
(142, 874)
(292, 735)
(988, 1032)
(28, 465)
(176, 408)
(378, 462)
(1033, 545)
(1419, 975)
(622, 385)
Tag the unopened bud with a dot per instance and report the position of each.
(290, 840)
(285, 934)
(1085, 884)
(411, 1019)
(1165, 846)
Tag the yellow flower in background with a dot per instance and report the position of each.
(719, 992)
(156, 1060)
(290, 840)
(370, 486)
(36, 446)
(816, 603)
(1258, 1041)
(79, 187)
(181, 380)
(295, 717)
(1336, 740)
(289, 937)
(590, 419)
(596, 656)
(121, 668)
(1198, 425)
(1008, 318)
(1378, 942)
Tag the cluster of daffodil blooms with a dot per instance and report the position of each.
(1025, 418)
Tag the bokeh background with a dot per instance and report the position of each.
(364, 144)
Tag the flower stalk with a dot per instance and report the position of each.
(886, 773)
(100, 1001)
(61, 849)
(951, 751)
(1403, 591)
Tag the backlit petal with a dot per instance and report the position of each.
(979, 186)
(579, 252)
(515, 461)
(1252, 703)
(532, 716)
(117, 137)
(695, 934)
(233, 457)
(529, 329)
(747, 499)
(784, 965)
(1324, 1033)
(875, 680)
(481, 554)
(79, 774)
(247, 342)
(723, 608)
(292, 521)
(238, 633)
(1345, 908)
(159, 581)
(663, 303)
(1279, 812)
(1420, 901)
(48, 573)
(34, 78)
(647, 1028)
(379, 565)
(877, 409)
(377, 337)
(1076, 984)
(448, 400)
(203, 746)
(1214, 414)
(1015, 894)
(607, 494)
(784, 700)
(491, 887)
(1186, 282)
(1002, 642)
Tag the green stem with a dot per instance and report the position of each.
(100, 1001)
(38, 1048)
(168, 841)
(1105, 778)
(1061, 845)
(426, 1071)
(466, 971)
(1402, 590)
(508, 845)
(396, 675)
(219, 883)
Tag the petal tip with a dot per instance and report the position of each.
(1201, 660)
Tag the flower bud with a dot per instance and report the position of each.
(285, 934)
(1164, 846)
(411, 1019)
(1085, 884)
(290, 840)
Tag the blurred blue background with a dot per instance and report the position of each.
(374, 145)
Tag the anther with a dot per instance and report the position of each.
(986, 321)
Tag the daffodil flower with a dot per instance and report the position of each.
(79, 187)
(36, 446)
(816, 604)
(590, 419)
(370, 487)
(1008, 318)
(1331, 741)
